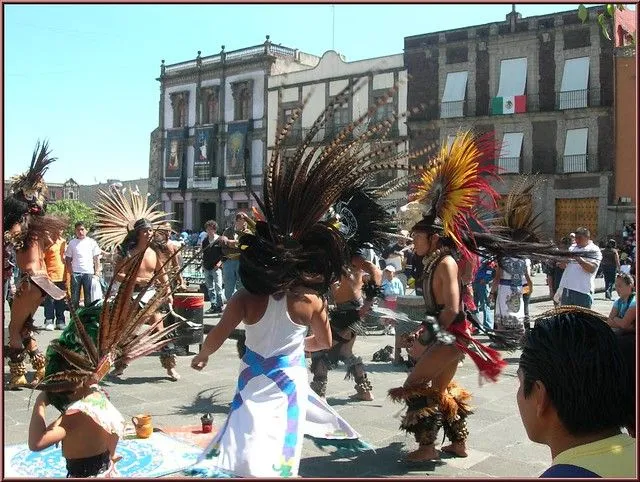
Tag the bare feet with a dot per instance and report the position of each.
(458, 449)
(173, 374)
(424, 453)
(364, 396)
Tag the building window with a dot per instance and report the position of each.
(295, 131)
(53, 195)
(179, 104)
(575, 150)
(575, 83)
(341, 118)
(385, 111)
(511, 88)
(455, 91)
(243, 206)
(70, 195)
(209, 106)
(509, 160)
(241, 92)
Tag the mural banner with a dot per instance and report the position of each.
(174, 150)
(236, 148)
(204, 159)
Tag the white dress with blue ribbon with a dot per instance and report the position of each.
(273, 408)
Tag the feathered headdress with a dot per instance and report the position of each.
(30, 186)
(518, 220)
(27, 204)
(103, 334)
(118, 211)
(515, 231)
(452, 186)
(290, 244)
(362, 218)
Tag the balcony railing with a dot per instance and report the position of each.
(509, 165)
(574, 163)
(549, 102)
(449, 110)
(572, 99)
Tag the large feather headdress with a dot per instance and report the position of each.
(452, 187)
(299, 190)
(518, 220)
(27, 204)
(362, 217)
(106, 333)
(30, 187)
(117, 212)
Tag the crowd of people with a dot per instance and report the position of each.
(302, 274)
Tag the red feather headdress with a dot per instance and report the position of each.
(454, 186)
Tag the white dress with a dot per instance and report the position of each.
(509, 311)
(273, 407)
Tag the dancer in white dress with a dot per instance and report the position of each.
(273, 407)
(287, 267)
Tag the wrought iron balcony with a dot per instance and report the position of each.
(509, 165)
(573, 99)
(449, 110)
(574, 163)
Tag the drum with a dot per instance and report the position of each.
(189, 305)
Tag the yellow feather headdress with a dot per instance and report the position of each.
(452, 187)
(117, 211)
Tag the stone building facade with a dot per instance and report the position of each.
(622, 209)
(375, 77)
(209, 149)
(544, 86)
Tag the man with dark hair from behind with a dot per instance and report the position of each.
(571, 386)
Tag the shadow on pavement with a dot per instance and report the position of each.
(385, 461)
(205, 402)
(124, 380)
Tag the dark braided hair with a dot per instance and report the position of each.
(574, 354)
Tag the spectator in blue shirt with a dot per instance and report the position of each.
(391, 286)
(623, 314)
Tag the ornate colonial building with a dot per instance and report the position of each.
(545, 86)
(210, 146)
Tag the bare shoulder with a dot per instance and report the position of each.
(447, 265)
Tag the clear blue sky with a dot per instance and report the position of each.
(83, 76)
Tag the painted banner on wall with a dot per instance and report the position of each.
(204, 159)
(174, 150)
(236, 148)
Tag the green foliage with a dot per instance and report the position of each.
(75, 211)
(605, 19)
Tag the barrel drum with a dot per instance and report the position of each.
(190, 306)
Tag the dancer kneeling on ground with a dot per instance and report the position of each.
(89, 426)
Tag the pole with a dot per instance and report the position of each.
(333, 28)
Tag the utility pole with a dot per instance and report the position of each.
(333, 28)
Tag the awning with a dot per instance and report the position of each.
(513, 77)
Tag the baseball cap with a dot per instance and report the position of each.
(390, 268)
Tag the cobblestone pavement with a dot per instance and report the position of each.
(498, 443)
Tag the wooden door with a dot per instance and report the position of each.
(574, 213)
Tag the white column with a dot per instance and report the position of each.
(188, 214)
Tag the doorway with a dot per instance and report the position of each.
(208, 210)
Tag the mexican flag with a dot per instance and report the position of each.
(513, 104)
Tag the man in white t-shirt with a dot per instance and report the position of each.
(82, 258)
(578, 279)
